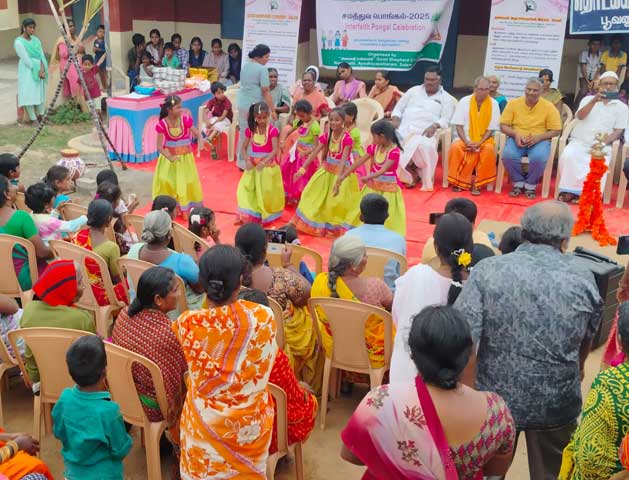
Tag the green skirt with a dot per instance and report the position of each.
(261, 195)
(179, 180)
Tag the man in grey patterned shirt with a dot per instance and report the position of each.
(533, 314)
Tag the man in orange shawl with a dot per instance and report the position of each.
(476, 118)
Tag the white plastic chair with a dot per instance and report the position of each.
(369, 111)
(563, 141)
(232, 96)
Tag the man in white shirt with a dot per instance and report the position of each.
(473, 154)
(417, 116)
(596, 114)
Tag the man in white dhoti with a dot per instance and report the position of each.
(596, 114)
(417, 116)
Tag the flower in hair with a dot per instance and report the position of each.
(463, 258)
(197, 219)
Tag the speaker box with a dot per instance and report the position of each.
(608, 274)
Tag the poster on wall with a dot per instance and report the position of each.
(590, 16)
(525, 36)
(372, 34)
(274, 23)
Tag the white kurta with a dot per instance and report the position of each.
(417, 111)
(575, 158)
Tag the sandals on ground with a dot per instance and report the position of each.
(515, 192)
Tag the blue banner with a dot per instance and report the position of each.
(599, 16)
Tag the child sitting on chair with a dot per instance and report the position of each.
(219, 116)
(202, 223)
(10, 168)
(40, 199)
(86, 421)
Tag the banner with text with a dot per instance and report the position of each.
(274, 23)
(525, 37)
(372, 34)
(596, 16)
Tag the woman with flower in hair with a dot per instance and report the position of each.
(347, 262)
(425, 285)
(176, 173)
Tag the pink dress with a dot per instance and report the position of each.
(291, 165)
(71, 85)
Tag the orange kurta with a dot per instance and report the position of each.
(462, 165)
(227, 418)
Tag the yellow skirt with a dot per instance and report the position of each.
(320, 214)
(179, 180)
(261, 195)
(397, 209)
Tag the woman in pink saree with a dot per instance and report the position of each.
(61, 56)
(397, 431)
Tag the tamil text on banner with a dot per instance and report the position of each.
(371, 34)
(599, 16)
(525, 36)
(274, 23)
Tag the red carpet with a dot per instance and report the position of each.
(220, 179)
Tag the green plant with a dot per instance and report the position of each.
(68, 113)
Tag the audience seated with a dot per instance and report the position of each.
(535, 364)
(134, 58)
(279, 93)
(476, 118)
(20, 224)
(301, 403)
(94, 238)
(346, 263)
(86, 422)
(196, 54)
(18, 458)
(468, 209)
(553, 95)
(480, 252)
(614, 59)
(53, 306)
(529, 122)
(235, 62)
(596, 114)
(154, 249)
(348, 87)
(374, 211)
(227, 418)
(417, 116)
(156, 46)
(494, 85)
(291, 290)
(510, 240)
(593, 451)
(384, 93)
(218, 59)
(432, 425)
(144, 328)
(589, 65)
(425, 285)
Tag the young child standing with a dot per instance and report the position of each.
(219, 116)
(384, 154)
(176, 173)
(99, 52)
(309, 130)
(170, 59)
(40, 199)
(329, 204)
(89, 74)
(86, 421)
(59, 178)
(146, 69)
(260, 190)
(10, 168)
(351, 113)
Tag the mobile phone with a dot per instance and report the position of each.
(433, 217)
(623, 245)
(275, 236)
(611, 95)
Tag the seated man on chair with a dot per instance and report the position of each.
(476, 118)
(597, 114)
(529, 123)
(417, 116)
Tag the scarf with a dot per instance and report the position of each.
(35, 52)
(479, 119)
(58, 284)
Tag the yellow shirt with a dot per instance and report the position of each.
(524, 119)
(612, 63)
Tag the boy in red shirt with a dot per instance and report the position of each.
(219, 116)
(90, 71)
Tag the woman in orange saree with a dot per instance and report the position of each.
(93, 238)
(18, 460)
(227, 418)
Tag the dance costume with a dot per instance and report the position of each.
(319, 213)
(357, 151)
(291, 165)
(388, 185)
(178, 179)
(261, 192)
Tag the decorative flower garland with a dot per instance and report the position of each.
(590, 217)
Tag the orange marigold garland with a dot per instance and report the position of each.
(590, 217)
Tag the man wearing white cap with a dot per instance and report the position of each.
(599, 113)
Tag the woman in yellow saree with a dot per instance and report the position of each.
(227, 418)
(347, 261)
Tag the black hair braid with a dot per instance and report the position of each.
(247, 271)
(456, 271)
(334, 274)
